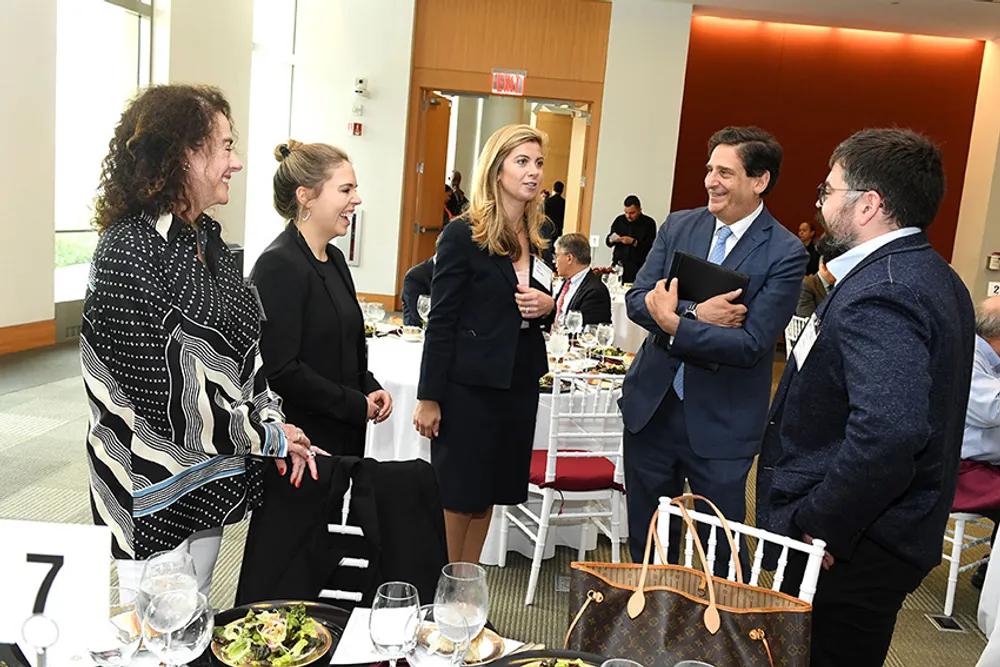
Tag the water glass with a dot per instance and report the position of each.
(438, 637)
(178, 626)
(117, 642)
(605, 335)
(395, 602)
(462, 588)
(574, 321)
(376, 312)
(424, 307)
(163, 572)
(558, 344)
(588, 338)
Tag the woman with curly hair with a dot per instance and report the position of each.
(483, 350)
(181, 413)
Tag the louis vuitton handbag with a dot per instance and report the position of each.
(659, 615)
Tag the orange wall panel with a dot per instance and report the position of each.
(553, 39)
(812, 87)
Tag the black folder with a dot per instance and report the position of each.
(699, 280)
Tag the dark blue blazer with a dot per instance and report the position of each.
(864, 439)
(725, 408)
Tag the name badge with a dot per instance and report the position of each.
(541, 272)
(805, 342)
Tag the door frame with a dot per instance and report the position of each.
(480, 83)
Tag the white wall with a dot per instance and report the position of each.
(211, 43)
(978, 232)
(337, 41)
(641, 111)
(27, 170)
(465, 138)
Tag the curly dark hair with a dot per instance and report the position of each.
(144, 167)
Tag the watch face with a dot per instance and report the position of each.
(40, 631)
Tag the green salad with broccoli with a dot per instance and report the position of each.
(270, 638)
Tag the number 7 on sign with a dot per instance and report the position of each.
(55, 564)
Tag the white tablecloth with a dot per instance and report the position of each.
(396, 365)
(628, 334)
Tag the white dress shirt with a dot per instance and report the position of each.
(843, 265)
(981, 441)
(574, 284)
(738, 229)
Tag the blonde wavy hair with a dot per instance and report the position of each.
(490, 229)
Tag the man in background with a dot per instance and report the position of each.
(416, 282)
(555, 209)
(632, 235)
(871, 467)
(814, 289)
(581, 289)
(457, 201)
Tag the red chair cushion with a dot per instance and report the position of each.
(573, 474)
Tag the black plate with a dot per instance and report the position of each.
(332, 618)
(519, 659)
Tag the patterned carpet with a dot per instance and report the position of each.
(43, 477)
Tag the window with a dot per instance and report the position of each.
(102, 60)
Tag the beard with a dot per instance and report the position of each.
(838, 236)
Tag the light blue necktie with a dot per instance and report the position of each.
(715, 257)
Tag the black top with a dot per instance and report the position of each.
(417, 281)
(474, 324)
(642, 229)
(555, 210)
(313, 342)
(813, 265)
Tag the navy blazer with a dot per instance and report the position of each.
(725, 407)
(865, 439)
(474, 325)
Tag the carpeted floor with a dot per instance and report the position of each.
(43, 477)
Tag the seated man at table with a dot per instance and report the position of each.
(581, 288)
(416, 282)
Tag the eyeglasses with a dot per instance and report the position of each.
(823, 190)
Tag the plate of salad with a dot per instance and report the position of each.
(277, 636)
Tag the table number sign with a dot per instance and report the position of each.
(54, 584)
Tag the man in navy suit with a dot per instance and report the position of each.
(695, 399)
(871, 468)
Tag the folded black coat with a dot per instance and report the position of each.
(290, 554)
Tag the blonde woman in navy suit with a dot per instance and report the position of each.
(484, 351)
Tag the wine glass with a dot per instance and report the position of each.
(588, 338)
(424, 307)
(118, 640)
(178, 626)
(376, 312)
(462, 588)
(605, 335)
(163, 572)
(574, 322)
(558, 344)
(395, 602)
(437, 637)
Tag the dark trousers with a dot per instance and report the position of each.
(657, 461)
(854, 611)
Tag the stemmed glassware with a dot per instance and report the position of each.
(163, 572)
(395, 602)
(588, 338)
(462, 588)
(424, 307)
(376, 312)
(605, 335)
(177, 626)
(558, 344)
(574, 322)
(117, 642)
(438, 637)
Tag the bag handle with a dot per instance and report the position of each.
(637, 601)
(725, 527)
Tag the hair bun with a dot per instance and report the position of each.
(282, 151)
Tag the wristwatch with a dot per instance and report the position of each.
(692, 311)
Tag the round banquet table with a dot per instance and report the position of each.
(628, 334)
(395, 362)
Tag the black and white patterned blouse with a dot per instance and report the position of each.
(178, 403)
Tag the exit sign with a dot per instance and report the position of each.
(508, 82)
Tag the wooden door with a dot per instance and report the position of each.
(433, 156)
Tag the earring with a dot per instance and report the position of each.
(306, 216)
(187, 165)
